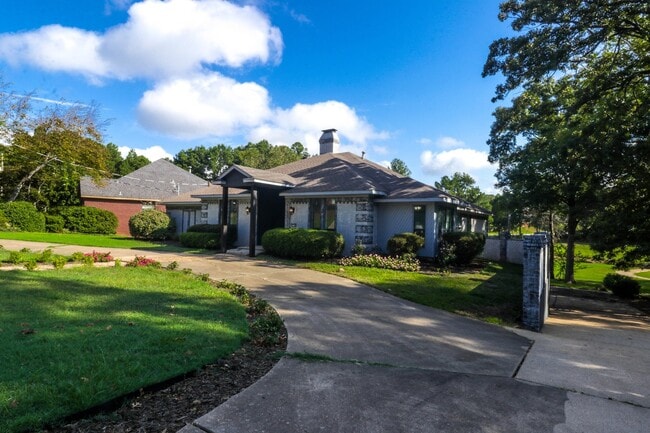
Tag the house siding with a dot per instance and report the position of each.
(123, 210)
(398, 218)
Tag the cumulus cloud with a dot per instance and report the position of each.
(303, 122)
(179, 45)
(203, 105)
(154, 42)
(451, 161)
(449, 143)
(152, 153)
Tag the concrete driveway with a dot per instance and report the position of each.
(369, 362)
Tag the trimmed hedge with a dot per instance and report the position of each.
(23, 216)
(465, 246)
(622, 286)
(209, 241)
(404, 243)
(54, 223)
(87, 219)
(150, 224)
(302, 243)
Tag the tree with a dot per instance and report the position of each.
(264, 155)
(62, 143)
(131, 163)
(113, 159)
(586, 132)
(206, 163)
(399, 166)
(300, 150)
(575, 37)
(463, 186)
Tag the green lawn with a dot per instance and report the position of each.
(590, 276)
(493, 294)
(644, 274)
(107, 241)
(75, 338)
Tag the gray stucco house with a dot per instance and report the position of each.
(364, 201)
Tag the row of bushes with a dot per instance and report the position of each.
(302, 243)
(207, 236)
(23, 216)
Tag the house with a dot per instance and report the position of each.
(147, 188)
(364, 201)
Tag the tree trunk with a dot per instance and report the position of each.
(572, 225)
(26, 179)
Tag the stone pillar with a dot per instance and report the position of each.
(536, 281)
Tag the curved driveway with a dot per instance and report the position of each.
(369, 362)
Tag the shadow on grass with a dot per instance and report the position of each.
(73, 339)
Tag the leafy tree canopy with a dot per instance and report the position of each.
(463, 186)
(399, 166)
(48, 151)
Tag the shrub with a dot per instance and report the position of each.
(99, 257)
(302, 243)
(407, 262)
(209, 241)
(54, 223)
(622, 285)
(141, 261)
(216, 228)
(23, 216)
(86, 219)
(404, 243)
(466, 246)
(150, 224)
(4, 221)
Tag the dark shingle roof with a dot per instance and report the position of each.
(153, 182)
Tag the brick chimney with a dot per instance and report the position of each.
(328, 140)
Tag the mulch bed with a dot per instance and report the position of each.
(169, 409)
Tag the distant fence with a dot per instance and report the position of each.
(504, 250)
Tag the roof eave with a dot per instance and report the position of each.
(316, 194)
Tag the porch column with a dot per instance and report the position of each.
(252, 241)
(224, 219)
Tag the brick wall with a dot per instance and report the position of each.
(123, 210)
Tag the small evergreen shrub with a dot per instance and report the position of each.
(24, 216)
(150, 224)
(302, 243)
(622, 286)
(208, 241)
(466, 246)
(4, 221)
(216, 228)
(54, 223)
(87, 219)
(404, 243)
(407, 262)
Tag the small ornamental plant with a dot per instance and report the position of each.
(407, 262)
(99, 257)
(141, 261)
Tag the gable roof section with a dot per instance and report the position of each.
(154, 182)
(251, 176)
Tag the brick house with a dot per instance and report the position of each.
(145, 188)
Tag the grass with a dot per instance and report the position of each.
(644, 274)
(589, 276)
(86, 240)
(493, 294)
(75, 338)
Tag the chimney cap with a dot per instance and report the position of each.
(329, 130)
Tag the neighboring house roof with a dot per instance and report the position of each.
(154, 182)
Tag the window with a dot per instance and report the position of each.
(419, 219)
(322, 214)
(445, 220)
(233, 213)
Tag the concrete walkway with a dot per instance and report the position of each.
(388, 365)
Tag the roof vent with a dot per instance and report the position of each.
(328, 140)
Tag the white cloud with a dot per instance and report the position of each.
(152, 153)
(425, 141)
(451, 161)
(303, 122)
(464, 160)
(160, 39)
(449, 143)
(203, 105)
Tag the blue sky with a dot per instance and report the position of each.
(397, 82)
